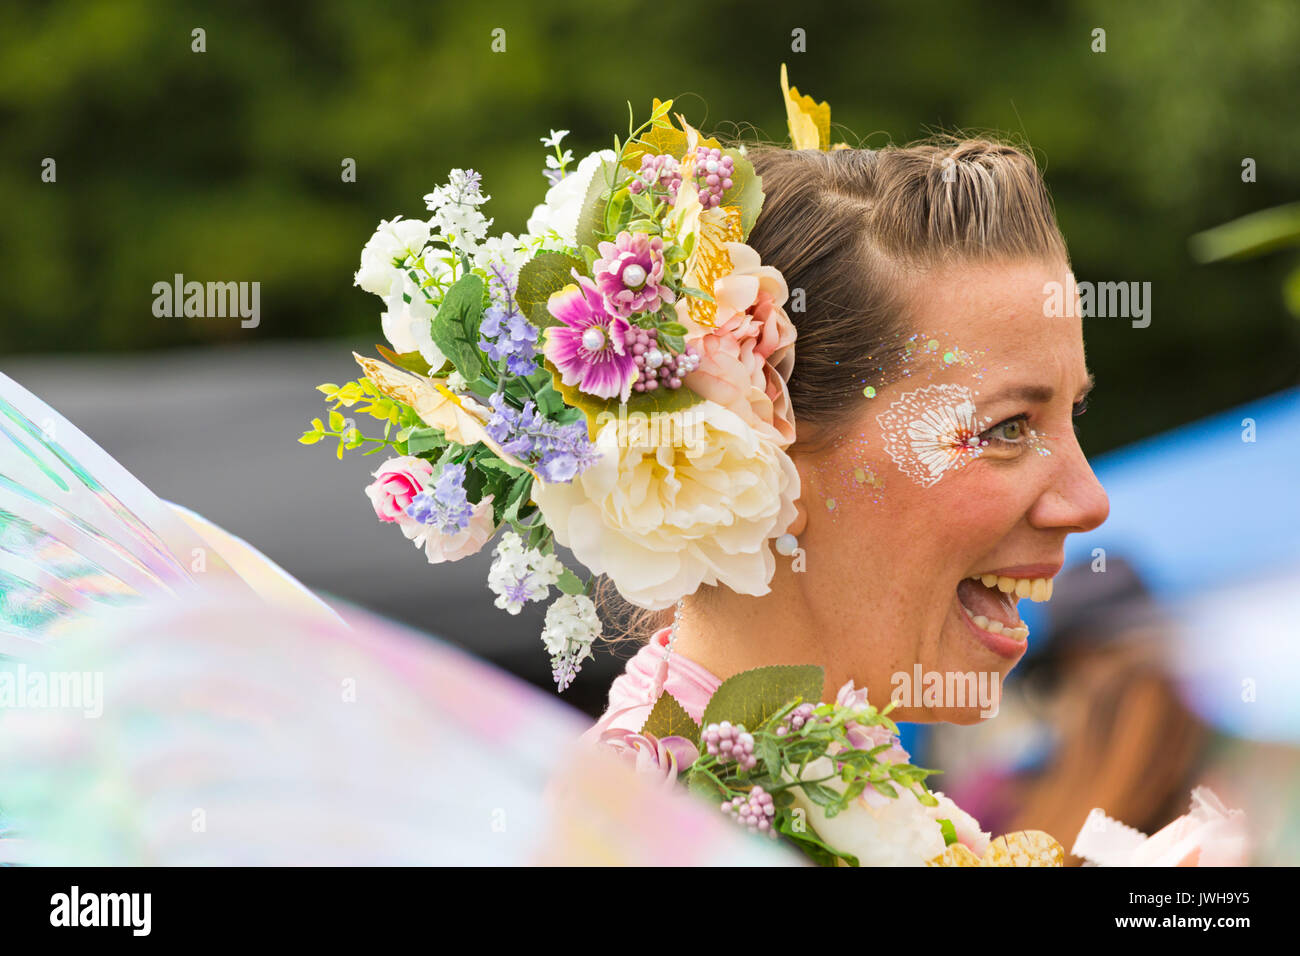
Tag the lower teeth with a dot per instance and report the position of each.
(1018, 633)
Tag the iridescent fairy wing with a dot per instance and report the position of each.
(230, 731)
(78, 533)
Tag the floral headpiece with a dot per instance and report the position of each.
(613, 380)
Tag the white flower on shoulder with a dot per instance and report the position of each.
(558, 212)
(395, 244)
(886, 831)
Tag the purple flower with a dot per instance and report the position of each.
(558, 453)
(590, 348)
(506, 333)
(445, 507)
(629, 274)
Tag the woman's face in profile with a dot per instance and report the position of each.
(950, 499)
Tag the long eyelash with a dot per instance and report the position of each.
(1080, 407)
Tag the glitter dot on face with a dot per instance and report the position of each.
(932, 344)
(949, 358)
(869, 392)
(830, 504)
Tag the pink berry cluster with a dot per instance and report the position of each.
(658, 172)
(728, 743)
(755, 813)
(658, 367)
(796, 719)
(713, 172)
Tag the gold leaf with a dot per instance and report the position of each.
(810, 121)
(460, 419)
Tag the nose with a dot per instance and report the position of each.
(1074, 501)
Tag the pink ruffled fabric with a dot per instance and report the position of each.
(633, 694)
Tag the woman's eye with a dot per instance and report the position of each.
(1010, 432)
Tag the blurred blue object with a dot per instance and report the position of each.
(1199, 507)
(1204, 516)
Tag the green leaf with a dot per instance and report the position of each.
(515, 499)
(669, 718)
(1250, 235)
(702, 784)
(672, 328)
(752, 696)
(592, 406)
(746, 191)
(591, 221)
(422, 440)
(541, 277)
(455, 327)
(769, 752)
(336, 421)
(570, 583)
(949, 831)
(411, 361)
(310, 438)
(809, 842)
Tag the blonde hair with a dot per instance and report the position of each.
(843, 227)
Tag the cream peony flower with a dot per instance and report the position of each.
(661, 520)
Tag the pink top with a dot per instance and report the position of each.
(633, 694)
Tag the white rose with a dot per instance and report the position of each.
(661, 520)
(408, 325)
(563, 203)
(394, 239)
(878, 830)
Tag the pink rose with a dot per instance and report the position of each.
(439, 548)
(396, 483)
(662, 758)
(747, 357)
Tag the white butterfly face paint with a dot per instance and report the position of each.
(931, 431)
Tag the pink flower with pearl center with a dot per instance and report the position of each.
(589, 349)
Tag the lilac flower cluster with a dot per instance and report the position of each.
(445, 507)
(559, 453)
(755, 813)
(728, 743)
(506, 333)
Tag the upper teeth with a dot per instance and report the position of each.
(1036, 589)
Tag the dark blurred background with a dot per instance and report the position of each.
(226, 165)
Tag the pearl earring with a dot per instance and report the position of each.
(786, 543)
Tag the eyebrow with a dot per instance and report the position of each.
(1039, 394)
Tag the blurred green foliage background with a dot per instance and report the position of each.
(225, 165)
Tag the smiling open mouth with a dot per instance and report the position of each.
(990, 602)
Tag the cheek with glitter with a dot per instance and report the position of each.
(931, 431)
(846, 475)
